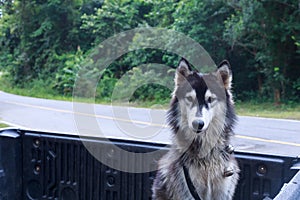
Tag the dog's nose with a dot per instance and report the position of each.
(198, 125)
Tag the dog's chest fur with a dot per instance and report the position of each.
(206, 175)
(208, 178)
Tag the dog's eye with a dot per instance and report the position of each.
(210, 99)
(189, 99)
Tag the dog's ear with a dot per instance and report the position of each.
(183, 70)
(224, 70)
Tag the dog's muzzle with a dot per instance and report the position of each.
(198, 125)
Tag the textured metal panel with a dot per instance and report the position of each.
(10, 165)
(59, 167)
(262, 175)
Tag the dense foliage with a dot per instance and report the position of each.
(46, 41)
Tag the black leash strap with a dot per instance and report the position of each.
(190, 184)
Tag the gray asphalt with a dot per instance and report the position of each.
(260, 135)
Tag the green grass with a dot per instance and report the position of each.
(38, 88)
(41, 89)
(3, 125)
(269, 110)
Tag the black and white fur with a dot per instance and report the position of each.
(202, 118)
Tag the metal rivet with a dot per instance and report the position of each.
(37, 169)
(262, 170)
(111, 181)
(36, 142)
(111, 153)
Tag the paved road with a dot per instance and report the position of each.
(271, 136)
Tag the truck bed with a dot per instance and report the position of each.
(41, 165)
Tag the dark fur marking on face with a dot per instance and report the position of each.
(195, 82)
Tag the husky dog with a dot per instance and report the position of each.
(200, 163)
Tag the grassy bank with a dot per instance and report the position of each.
(269, 110)
(2, 125)
(251, 108)
(37, 88)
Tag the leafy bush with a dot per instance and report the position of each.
(106, 86)
(65, 77)
(152, 82)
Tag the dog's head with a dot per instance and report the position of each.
(201, 98)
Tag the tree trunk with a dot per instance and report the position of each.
(277, 97)
(259, 83)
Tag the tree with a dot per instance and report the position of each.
(266, 29)
(203, 21)
(10, 37)
(38, 39)
(37, 32)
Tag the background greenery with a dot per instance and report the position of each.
(2, 125)
(42, 44)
